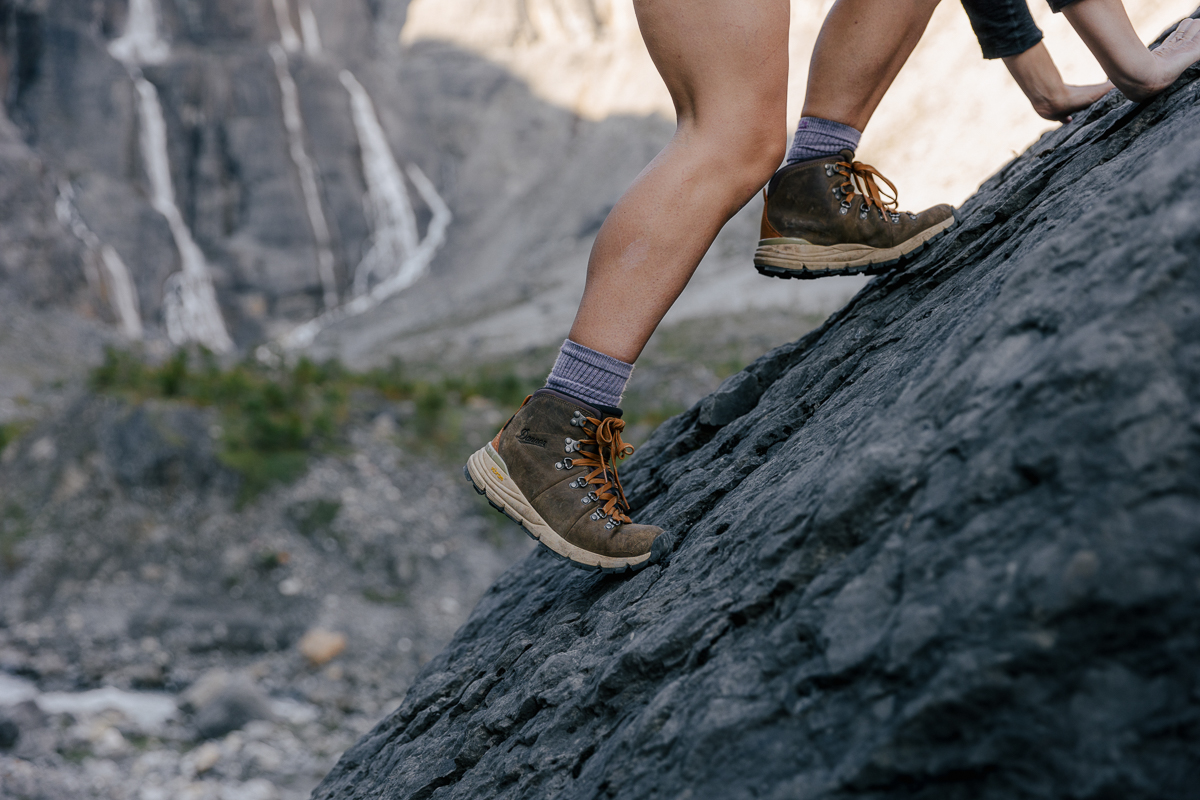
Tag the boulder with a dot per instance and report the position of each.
(945, 546)
(224, 702)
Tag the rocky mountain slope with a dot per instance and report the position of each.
(160, 639)
(945, 546)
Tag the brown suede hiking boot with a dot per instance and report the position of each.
(552, 470)
(827, 216)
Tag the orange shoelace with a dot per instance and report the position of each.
(605, 434)
(860, 179)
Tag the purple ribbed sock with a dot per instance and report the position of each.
(816, 137)
(588, 375)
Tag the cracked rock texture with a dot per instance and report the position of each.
(945, 546)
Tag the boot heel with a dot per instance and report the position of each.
(490, 477)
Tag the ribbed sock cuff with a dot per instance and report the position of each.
(816, 137)
(588, 375)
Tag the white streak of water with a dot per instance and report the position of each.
(398, 257)
(309, 30)
(68, 217)
(294, 124)
(114, 283)
(395, 224)
(190, 305)
(14, 690)
(122, 294)
(410, 270)
(190, 302)
(140, 44)
(287, 32)
(148, 710)
(435, 235)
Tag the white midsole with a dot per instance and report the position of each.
(489, 473)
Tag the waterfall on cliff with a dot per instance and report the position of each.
(294, 124)
(190, 303)
(309, 37)
(141, 43)
(308, 30)
(287, 31)
(112, 279)
(395, 224)
(398, 256)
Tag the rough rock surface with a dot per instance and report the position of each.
(949, 550)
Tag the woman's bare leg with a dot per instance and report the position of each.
(725, 64)
(807, 228)
(860, 50)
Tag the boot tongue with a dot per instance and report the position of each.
(610, 411)
(848, 156)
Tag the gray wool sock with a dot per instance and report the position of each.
(816, 137)
(588, 375)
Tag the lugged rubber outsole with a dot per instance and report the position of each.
(487, 474)
(796, 258)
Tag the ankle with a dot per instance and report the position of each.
(589, 376)
(816, 137)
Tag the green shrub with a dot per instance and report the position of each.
(314, 515)
(273, 418)
(431, 404)
(173, 375)
(13, 529)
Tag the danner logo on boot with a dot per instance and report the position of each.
(525, 437)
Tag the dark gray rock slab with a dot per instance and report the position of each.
(951, 551)
(733, 398)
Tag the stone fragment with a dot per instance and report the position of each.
(107, 742)
(320, 646)
(732, 399)
(223, 702)
(205, 757)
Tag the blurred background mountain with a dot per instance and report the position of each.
(366, 224)
(527, 118)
